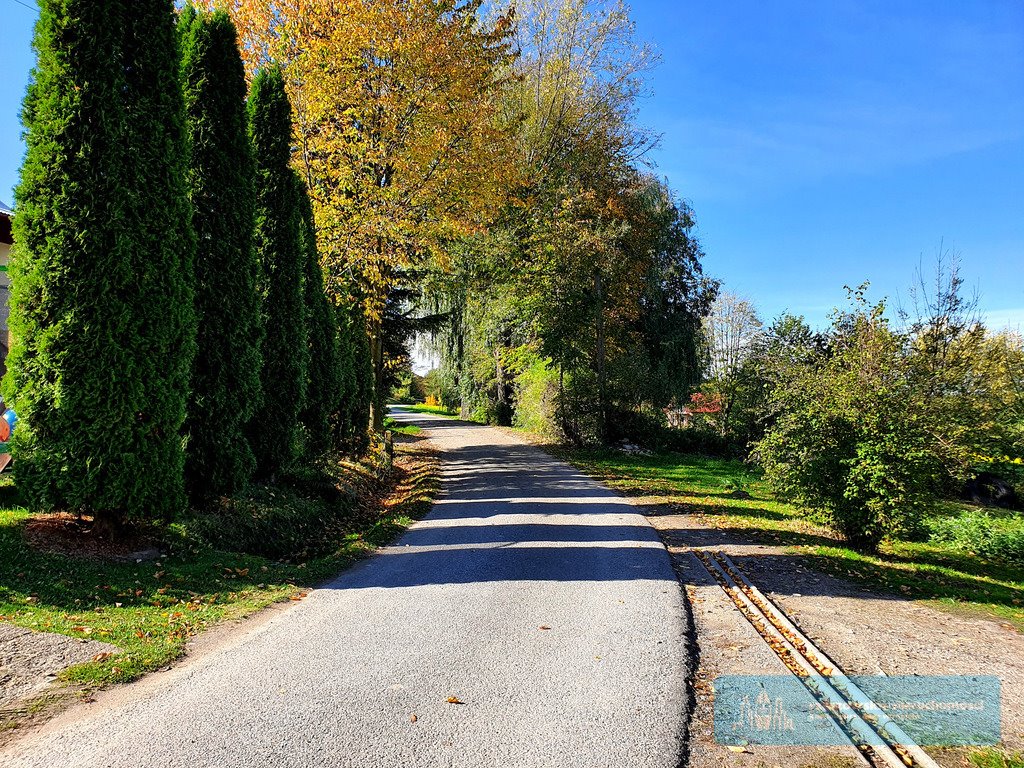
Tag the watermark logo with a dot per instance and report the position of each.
(779, 710)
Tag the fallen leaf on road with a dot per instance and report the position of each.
(455, 700)
(739, 749)
(543, 626)
(412, 718)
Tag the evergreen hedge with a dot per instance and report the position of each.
(357, 369)
(274, 430)
(102, 307)
(324, 375)
(226, 377)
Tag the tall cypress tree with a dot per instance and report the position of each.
(357, 371)
(273, 433)
(324, 374)
(226, 376)
(101, 306)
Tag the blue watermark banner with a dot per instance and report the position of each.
(941, 710)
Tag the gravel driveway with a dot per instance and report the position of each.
(536, 599)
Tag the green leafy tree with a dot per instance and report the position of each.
(102, 304)
(226, 376)
(274, 431)
(852, 438)
(324, 385)
(589, 282)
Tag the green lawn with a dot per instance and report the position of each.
(402, 429)
(923, 570)
(151, 609)
(991, 758)
(437, 410)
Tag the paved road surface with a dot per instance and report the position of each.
(516, 541)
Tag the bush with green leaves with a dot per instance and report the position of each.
(536, 392)
(102, 304)
(226, 376)
(851, 440)
(273, 432)
(983, 533)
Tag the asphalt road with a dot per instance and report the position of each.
(531, 594)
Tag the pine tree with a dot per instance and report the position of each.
(324, 375)
(226, 376)
(101, 306)
(274, 433)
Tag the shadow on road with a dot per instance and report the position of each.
(509, 512)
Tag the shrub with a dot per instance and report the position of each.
(851, 441)
(983, 534)
(225, 379)
(102, 303)
(536, 390)
(304, 515)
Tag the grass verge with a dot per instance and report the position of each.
(437, 410)
(297, 533)
(992, 758)
(401, 429)
(728, 494)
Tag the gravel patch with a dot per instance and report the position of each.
(30, 661)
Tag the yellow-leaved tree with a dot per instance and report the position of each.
(399, 132)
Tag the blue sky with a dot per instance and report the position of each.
(820, 143)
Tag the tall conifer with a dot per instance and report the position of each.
(101, 306)
(277, 238)
(320, 411)
(226, 376)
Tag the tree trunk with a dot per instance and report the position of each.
(108, 525)
(378, 402)
(602, 425)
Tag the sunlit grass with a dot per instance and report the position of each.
(992, 758)
(709, 488)
(437, 410)
(400, 428)
(150, 610)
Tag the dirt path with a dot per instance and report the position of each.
(865, 633)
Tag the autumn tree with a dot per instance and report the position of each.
(399, 131)
(732, 329)
(589, 284)
(226, 377)
(101, 309)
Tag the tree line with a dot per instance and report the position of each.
(480, 172)
(231, 223)
(172, 339)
